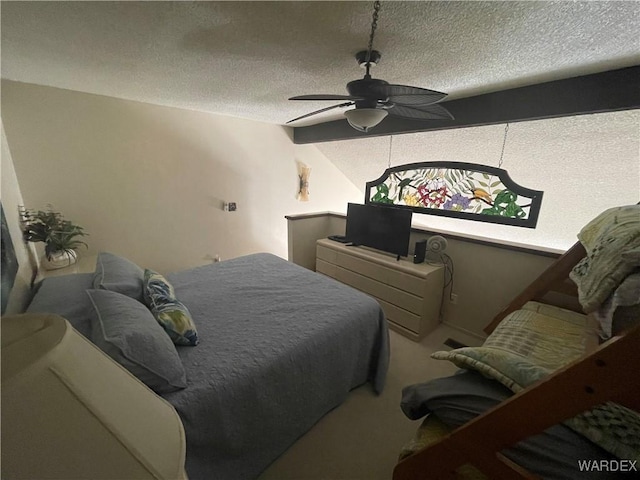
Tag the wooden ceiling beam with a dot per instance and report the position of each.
(608, 91)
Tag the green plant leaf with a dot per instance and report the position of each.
(50, 227)
(490, 211)
(506, 196)
(382, 188)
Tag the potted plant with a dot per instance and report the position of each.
(61, 237)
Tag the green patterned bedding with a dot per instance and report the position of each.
(532, 343)
(528, 345)
(612, 243)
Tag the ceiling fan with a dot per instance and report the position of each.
(374, 98)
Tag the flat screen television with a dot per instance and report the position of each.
(383, 228)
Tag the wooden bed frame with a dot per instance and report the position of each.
(603, 375)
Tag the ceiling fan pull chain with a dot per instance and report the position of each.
(374, 25)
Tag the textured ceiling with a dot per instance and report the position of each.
(246, 58)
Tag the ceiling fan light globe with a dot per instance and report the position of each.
(364, 119)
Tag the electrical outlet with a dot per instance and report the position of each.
(232, 206)
(217, 259)
(454, 298)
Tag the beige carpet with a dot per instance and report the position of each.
(360, 439)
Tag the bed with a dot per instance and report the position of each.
(278, 347)
(553, 391)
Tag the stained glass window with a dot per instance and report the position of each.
(459, 190)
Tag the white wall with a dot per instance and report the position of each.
(148, 182)
(11, 199)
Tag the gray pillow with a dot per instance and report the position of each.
(66, 296)
(118, 274)
(127, 331)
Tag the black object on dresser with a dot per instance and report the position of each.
(420, 251)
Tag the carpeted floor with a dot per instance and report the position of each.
(360, 439)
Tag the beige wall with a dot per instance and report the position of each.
(148, 182)
(25, 253)
(302, 235)
(486, 276)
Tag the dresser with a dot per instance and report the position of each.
(410, 294)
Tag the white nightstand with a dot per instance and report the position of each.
(85, 264)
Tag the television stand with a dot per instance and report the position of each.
(410, 294)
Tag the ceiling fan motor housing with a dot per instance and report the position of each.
(368, 88)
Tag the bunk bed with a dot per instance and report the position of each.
(599, 378)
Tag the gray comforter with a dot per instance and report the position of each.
(280, 346)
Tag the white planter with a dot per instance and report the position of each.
(59, 260)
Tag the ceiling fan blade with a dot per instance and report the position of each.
(424, 112)
(323, 96)
(346, 104)
(406, 95)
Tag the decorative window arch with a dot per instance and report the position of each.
(456, 189)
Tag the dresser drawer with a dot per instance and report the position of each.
(326, 268)
(326, 254)
(400, 316)
(392, 312)
(379, 290)
(400, 280)
(408, 293)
